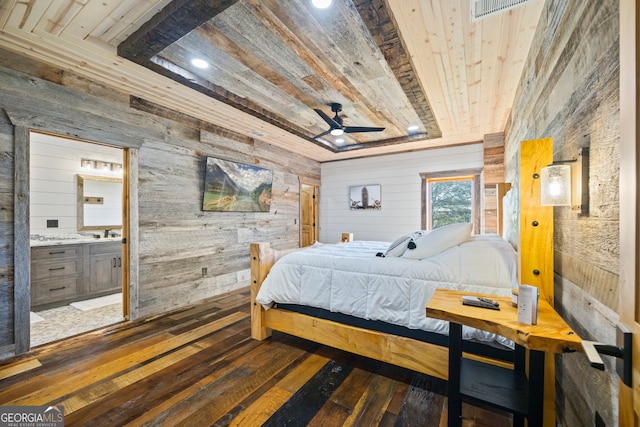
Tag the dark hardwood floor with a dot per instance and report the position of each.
(199, 367)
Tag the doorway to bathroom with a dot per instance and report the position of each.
(76, 233)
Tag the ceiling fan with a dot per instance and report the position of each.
(335, 124)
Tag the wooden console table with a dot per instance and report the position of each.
(508, 389)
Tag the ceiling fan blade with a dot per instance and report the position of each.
(353, 129)
(329, 120)
(322, 134)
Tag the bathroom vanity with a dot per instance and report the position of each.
(73, 270)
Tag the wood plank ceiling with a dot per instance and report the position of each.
(390, 63)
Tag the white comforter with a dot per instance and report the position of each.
(350, 279)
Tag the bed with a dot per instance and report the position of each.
(370, 299)
(527, 225)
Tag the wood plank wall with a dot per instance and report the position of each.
(399, 178)
(185, 254)
(569, 92)
(493, 149)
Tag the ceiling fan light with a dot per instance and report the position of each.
(321, 4)
(336, 132)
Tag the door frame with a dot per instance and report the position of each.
(629, 306)
(302, 182)
(24, 124)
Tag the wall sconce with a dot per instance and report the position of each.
(100, 165)
(87, 164)
(566, 183)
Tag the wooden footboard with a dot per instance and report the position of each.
(419, 356)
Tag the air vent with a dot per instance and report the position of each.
(257, 134)
(483, 8)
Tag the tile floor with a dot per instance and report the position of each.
(66, 321)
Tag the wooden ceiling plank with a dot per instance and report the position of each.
(382, 25)
(508, 39)
(303, 46)
(57, 19)
(491, 30)
(446, 78)
(122, 20)
(210, 34)
(473, 51)
(129, 20)
(520, 39)
(457, 63)
(315, 56)
(424, 33)
(360, 64)
(91, 15)
(26, 16)
(7, 8)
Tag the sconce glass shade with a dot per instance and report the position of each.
(555, 185)
(87, 164)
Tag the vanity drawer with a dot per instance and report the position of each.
(105, 248)
(63, 267)
(44, 253)
(52, 290)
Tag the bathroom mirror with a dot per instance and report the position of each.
(99, 202)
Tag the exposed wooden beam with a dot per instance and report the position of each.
(173, 22)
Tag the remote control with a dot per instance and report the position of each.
(489, 301)
(480, 302)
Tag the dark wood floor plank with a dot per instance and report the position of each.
(55, 386)
(215, 345)
(423, 402)
(374, 402)
(303, 405)
(217, 400)
(145, 399)
(198, 366)
(343, 402)
(259, 407)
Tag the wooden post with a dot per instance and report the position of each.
(536, 244)
(261, 263)
(22, 250)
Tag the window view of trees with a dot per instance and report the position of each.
(451, 201)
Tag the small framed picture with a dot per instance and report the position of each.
(365, 197)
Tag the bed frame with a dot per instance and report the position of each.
(430, 359)
(420, 356)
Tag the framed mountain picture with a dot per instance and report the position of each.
(236, 187)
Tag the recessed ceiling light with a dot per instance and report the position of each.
(200, 63)
(413, 128)
(321, 4)
(339, 140)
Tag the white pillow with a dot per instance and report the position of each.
(439, 240)
(399, 246)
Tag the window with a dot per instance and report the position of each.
(451, 197)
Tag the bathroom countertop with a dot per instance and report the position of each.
(72, 239)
